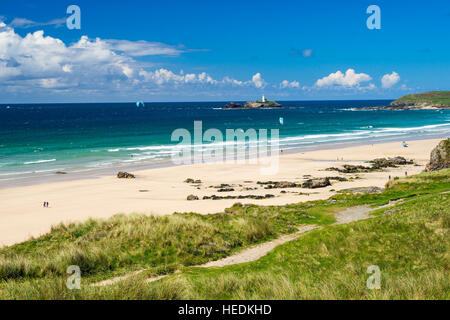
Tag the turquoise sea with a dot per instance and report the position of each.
(36, 140)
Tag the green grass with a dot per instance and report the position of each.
(409, 244)
(433, 98)
(104, 248)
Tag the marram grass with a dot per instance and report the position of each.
(409, 242)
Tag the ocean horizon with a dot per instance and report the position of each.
(38, 140)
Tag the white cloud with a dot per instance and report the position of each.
(388, 80)
(349, 79)
(163, 76)
(26, 23)
(40, 65)
(142, 48)
(39, 61)
(287, 84)
(258, 81)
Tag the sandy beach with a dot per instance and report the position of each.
(163, 190)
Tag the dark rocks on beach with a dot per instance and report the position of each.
(190, 180)
(60, 172)
(222, 186)
(192, 197)
(341, 179)
(225, 190)
(440, 156)
(251, 196)
(316, 183)
(375, 165)
(125, 175)
(389, 162)
(278, 184)
(350, 168)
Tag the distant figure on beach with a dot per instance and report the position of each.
(389, 177)
(404, 144)
(406, 173)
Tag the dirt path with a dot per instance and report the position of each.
(254, 253)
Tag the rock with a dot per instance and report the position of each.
(60, 172)
(225, 190)
(440, 156)
(192, 197)
(376, 165)
(278, 184)
(316, 183)
(254, 105)
(251, 196)
(125, 175)
(341, 179)
(233, 105)
(190, 180)
(350, 168)
(380, 163)
(261, 105)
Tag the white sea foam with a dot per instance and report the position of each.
(39, 161)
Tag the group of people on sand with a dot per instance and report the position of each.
(45, 204)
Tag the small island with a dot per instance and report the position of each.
(259, 104)
(419, 101)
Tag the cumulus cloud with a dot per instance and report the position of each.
(286, 84)
(40, 62)
(388, 80)
(258, 81)
(164, 76)
(350, 79)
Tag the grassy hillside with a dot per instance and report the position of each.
(432, 98)
(409, 242)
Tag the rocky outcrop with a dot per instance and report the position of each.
(316, 183)
(440, 156)
(125, 175)
(389, 162)
(192, 197)
(233, 105)
(254, 105)
(376, 165)
(418, 101)
(350, 168)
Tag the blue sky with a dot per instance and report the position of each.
(227, 50)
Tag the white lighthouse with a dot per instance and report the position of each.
(263, 99)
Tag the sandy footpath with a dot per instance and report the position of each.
(22, 214)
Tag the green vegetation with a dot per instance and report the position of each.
(432, 98)
(408, 241)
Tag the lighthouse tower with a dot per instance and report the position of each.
(263, 99)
